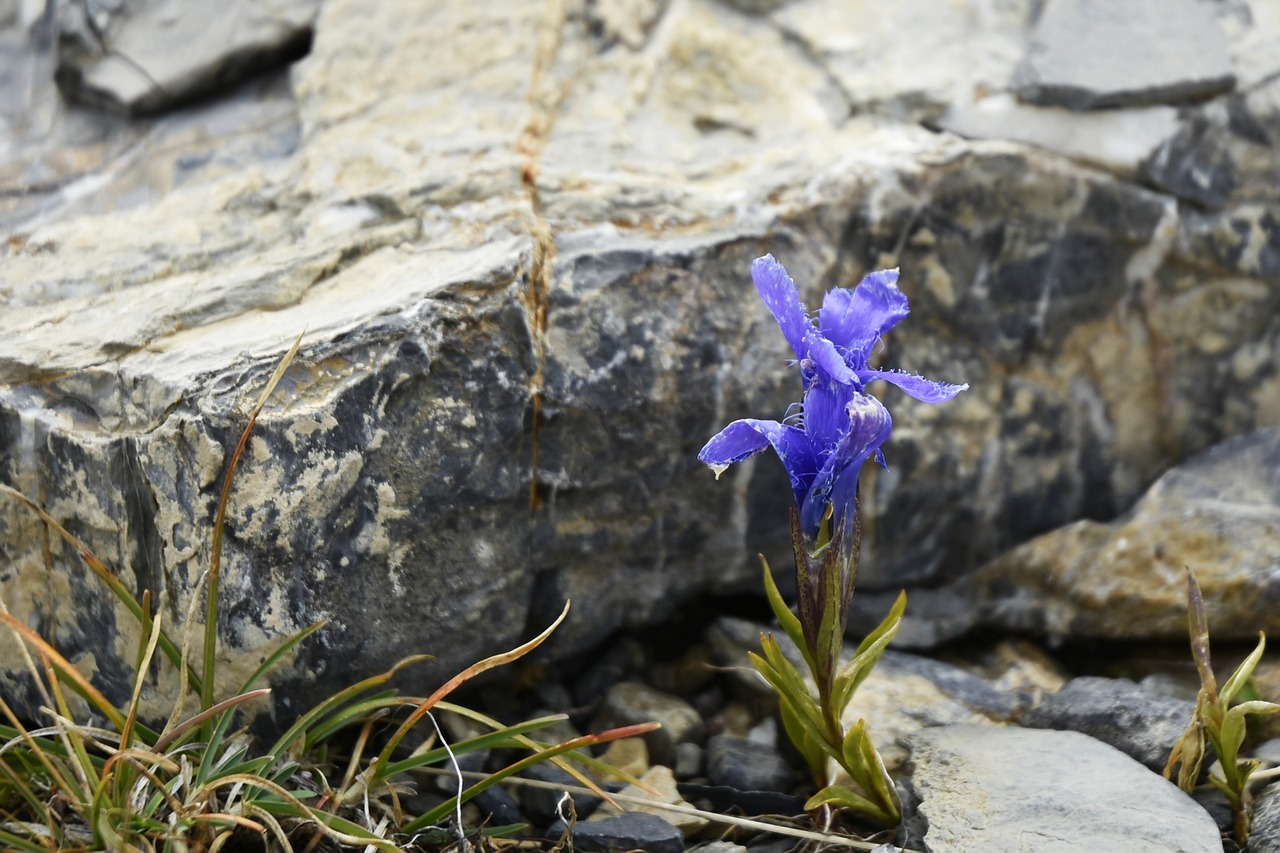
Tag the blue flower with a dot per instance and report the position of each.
(840, 425)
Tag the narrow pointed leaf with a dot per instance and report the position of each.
(869, 651)
(789, 621)
(1243, 672)
(843, 798)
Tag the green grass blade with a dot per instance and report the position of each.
(285, 648)
(505, 736)
(335, 702)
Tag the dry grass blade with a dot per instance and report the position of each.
(459, 679)
(65, 671)
(215, 544)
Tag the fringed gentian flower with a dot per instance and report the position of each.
(841, 426)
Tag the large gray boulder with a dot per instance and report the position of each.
(518, 241)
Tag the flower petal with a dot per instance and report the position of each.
(855, 319)
(749, 436)
(783, 299)
(917, 386)
(867, 426)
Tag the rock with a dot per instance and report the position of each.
(1090, 54)
(689, 759)
(722, 799)
(629, 755)
(630, 831)
(496, 801)
(149, 55)
(1118, 140)
(876, 70)
(1264, 826)
(1142, 725)
(544, 804)
(661, 780)
(631, 702)
(738, 762)
(1218, 513)
(526, 310)
(984, 788)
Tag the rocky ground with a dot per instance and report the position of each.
(517, 236)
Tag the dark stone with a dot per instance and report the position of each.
(738, 762)
(628, 831)
(541, 804)
(496, 801)
(722, 799)
(1141, 724)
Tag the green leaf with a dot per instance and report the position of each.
(796, 688)
(806, 712)
(834, 795)
(789, 621)
(1243, 672)
(869, 651)
(804, 741)
(789, 691)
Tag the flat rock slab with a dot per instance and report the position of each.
(983, 788)
(1090, 54)
(153, 54)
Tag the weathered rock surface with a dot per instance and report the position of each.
(1087, 54)
(141, 56)
(1218, 513)
(1141, 724)
(984, 788)
(518, 239)
(1264, 832)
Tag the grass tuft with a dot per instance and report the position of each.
(102, 779)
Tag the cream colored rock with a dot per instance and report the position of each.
(659, 786)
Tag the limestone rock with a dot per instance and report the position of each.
(1119, 140)
(984, 788)
(738, 762)
(663, 781)
(631, 702)
(521, 260)
(148, 55)
(1218, 513)
(1264, 830)
(1087, 54)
